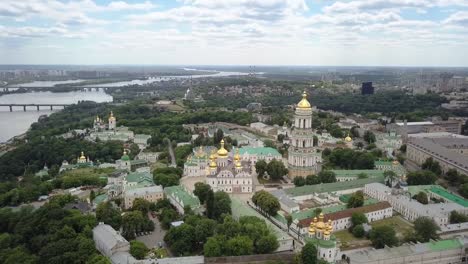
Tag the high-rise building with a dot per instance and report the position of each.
(303, 158)
(367, 88)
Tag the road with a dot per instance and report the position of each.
(155, 237)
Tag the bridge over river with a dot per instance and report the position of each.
(37, 106)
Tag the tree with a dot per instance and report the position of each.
(432, 165)
(269, 144)
(239, 245)
(456, 217)
(276, 169)
(390, 176)
(299, 181)
(210, 210)
(453, 176)
(218, 136)
(358, 218)
(92, 195)
(358, 231)
(356, 200)
(221, 205)
(166, 180)
(266, 202)
(425, 229)
(312, 179)
(289, 220)
(464, 190)
(266, 244)
(327, 176)
(309, 254)
(421, 197)
(138, 249)
(106, 213)
(362, 176)
(424, 177)
(213, 247)
(181, 239)
(261, 167)
(369, 137)
(383, 235)
(134, 222)
(142, 205)
(201, 191)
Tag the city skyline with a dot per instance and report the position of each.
(236, 32)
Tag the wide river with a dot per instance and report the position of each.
(18, 121)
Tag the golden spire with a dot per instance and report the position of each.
(304, 103)
(213, 164)
(320, 224)
(82, 157)
(222, 152)
(348, 138)
(111, 117)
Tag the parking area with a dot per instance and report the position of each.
(156, 237)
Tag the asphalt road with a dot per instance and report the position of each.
(152, 240)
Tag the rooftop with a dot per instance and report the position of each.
(438, 151)
(355, 173)
(263, 151)
(144, 190)
(332, 187)
(182, 195)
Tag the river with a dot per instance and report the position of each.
(18, 121)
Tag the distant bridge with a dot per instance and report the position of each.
(51, 106)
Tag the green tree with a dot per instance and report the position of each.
(266, 202)
(201, 191)
(138, 249)
(327, 176)
(383, 235)
(309, 254)
(239, 245)
(181, 240)
(213, 247)
(210, 205)
(358, 231)
(424, 177)
(390, 176)
(289, 220)
(222, 205)
(134, 222)
(312, 179)
(369, 137)
(92, 195)
(356, 200)
(463, 190)
(98, 259)
(276, 169)
(266, 244)
(106, 213)
(456, 217)
(358, 218)
(261, 167)
(142, 205)
(299, 181)
(425, 229)
(432, 165)
(421, 197)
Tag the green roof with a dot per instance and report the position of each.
(125, 157)
(42, 173)
(355, 173)
(99, 199)
(449, 196)
(262, 151)
(442, 245)
(309, 213)
(141, 178)
(182, 195)
(323, 243)
(137, 162)
(332, 187)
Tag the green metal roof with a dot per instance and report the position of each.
(263, 151)
(309, 213)
(355, 173)
(125, 157)
(449, 196)
(332, 187)
(182, 195)
(323, 243)
(140, 177)
(442, 245)
(99, 199)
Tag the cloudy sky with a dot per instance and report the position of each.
(226, 32)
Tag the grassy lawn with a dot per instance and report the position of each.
(400, 225)
(348, 241)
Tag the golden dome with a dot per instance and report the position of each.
(320, 224)
(111, 117)
(326, 233)
(82, 157)
(311, 230)
(237, 156)
(222, 152)
(213, 164)
(348, 138)
(304, 103)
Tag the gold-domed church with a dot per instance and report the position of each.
(303, 158)
(227, 172)
(321, 235)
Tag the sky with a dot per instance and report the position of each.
(235, 32)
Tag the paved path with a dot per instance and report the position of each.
(152, 240)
